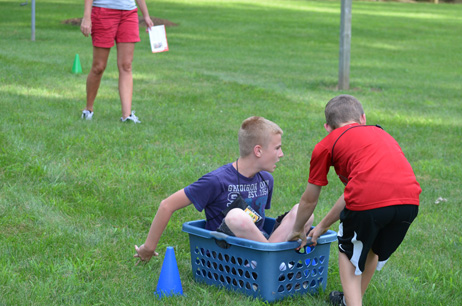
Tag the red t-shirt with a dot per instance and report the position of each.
(371, 164)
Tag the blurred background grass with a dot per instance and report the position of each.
(76, 195)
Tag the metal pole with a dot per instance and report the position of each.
(33, 21)
(345, 43)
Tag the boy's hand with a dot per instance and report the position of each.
(315, 233)
(143, 254)
(294, 236)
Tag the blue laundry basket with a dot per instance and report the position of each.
(269, 271)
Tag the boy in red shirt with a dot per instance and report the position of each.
(380, 199)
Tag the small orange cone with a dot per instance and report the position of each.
(77, 68)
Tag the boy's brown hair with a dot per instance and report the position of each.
(342, 109)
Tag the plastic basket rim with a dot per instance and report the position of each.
(195, 227)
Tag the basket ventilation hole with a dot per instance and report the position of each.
(282, 266)
(248, 264)
(309, 249)
(314, 272)
(282, 277)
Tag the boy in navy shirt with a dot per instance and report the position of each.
(247, 181)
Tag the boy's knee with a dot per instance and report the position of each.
(237, 218)
(292, 216)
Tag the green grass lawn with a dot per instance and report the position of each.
(76, 196)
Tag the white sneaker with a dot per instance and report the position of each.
(86, 114)
(132, 117)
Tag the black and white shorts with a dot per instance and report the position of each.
(381, 230)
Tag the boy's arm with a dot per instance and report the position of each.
(332, 216)
(307, 204)
(144, 11)
(167, 207)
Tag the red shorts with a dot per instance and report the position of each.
(108, 25)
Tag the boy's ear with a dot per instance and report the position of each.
(362, 119)
(328, 128)
(257, 150)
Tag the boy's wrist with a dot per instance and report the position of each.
(322, 225)
(149, 247)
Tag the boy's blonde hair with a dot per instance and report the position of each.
(342, 109)
(256, 131)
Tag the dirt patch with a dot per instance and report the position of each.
(157, 21)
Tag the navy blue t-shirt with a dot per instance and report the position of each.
(216, 190)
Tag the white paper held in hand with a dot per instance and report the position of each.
(158, 39)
